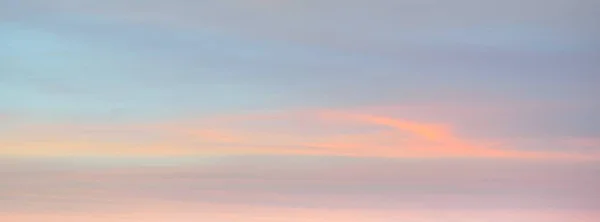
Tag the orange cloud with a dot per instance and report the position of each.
(430, 131)
(224, 135)
(445, 143)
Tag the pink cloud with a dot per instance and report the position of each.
(307, 132)
(174, 211)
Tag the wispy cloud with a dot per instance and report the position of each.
(311, 183)
(315, 132)
(280, 110)
(491, 24)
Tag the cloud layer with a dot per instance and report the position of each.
(309, 132)
(260, 110)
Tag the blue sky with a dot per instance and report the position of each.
(300, 91)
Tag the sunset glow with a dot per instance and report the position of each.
(307, 111)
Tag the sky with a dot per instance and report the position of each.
(308, 111)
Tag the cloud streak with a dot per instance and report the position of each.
(312, 183)
(329, 21)
(330, 110)
(331, 132)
